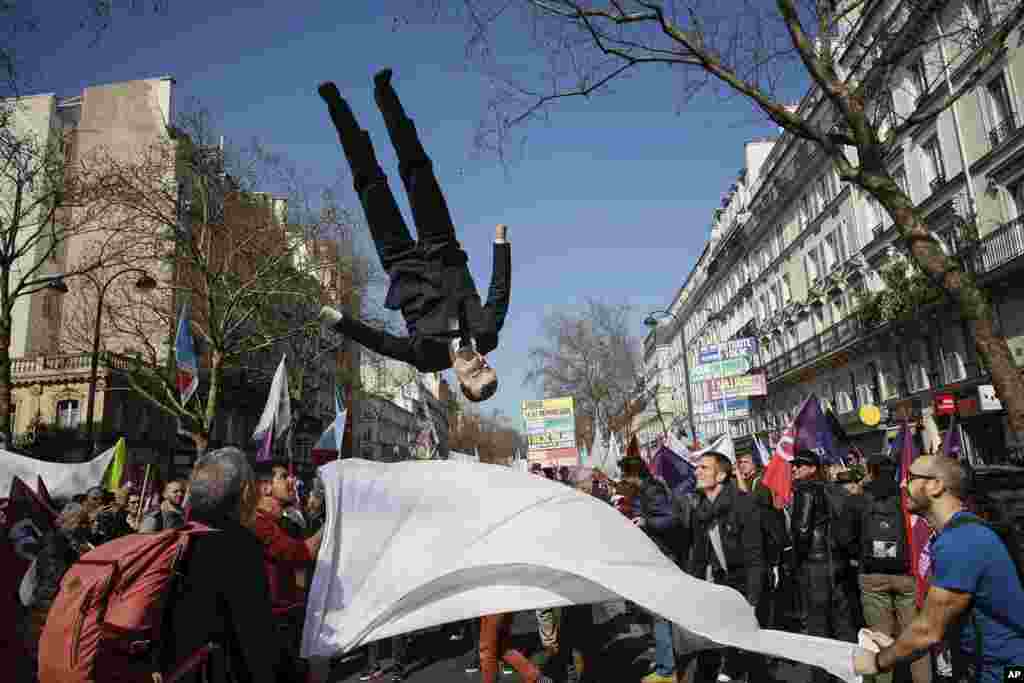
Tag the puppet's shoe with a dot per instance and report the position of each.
(382, 79)
(331, 317)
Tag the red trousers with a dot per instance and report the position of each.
(494, 632)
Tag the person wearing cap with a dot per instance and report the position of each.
(820, 555)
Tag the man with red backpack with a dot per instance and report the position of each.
(165, 603)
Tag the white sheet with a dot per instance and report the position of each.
(62, 480)
(412, 545)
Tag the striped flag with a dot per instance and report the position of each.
(187, 378)
(277, 413)
(328, 447)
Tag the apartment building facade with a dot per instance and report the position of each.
(793, 252)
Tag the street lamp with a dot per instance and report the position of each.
(145, 283)
(651, 322)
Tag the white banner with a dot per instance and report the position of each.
(391, 564)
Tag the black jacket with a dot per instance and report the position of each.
(431, 290)
(666, 525)
(225, 599)
(59, 550)
(817, 535)
(775, 535)
(739, 525)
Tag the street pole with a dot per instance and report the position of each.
(651, 321)
(145, 283)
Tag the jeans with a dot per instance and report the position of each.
(889, 606)
(664, 656)
(494, 633)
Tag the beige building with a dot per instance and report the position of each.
(792, 248)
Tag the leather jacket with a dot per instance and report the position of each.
(809, 524)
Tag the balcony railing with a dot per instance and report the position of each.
(937, 182)
(1002, 245)
(1004, 130)
(831, 339)
(80, 362)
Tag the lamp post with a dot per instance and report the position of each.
(652, 321)
(144, 283)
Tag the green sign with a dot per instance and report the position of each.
(719, 369)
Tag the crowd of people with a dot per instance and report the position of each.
(833, 561)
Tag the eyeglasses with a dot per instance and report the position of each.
(911, 477)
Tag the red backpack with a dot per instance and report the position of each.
(105, 622)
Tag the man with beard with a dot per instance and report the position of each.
(727, 550)
(975, 585)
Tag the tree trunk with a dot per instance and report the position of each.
(972, 302)
(212, 398)
(5, 380)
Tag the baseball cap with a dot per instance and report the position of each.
(806, 457)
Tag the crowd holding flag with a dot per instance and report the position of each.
(277, 414)
(187, 378)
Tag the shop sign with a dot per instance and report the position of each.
(945, 404)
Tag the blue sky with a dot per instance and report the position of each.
(611, 198)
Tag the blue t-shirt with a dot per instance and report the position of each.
(973, 559)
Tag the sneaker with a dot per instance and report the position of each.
(455, 637)
(473, 667)
(371, 674)
(658, 678)
(397, 676)
(507, 670)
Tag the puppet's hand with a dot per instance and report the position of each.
(501, 233)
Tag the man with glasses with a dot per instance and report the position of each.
(974, 584)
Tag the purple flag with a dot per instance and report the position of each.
(674, 470)
(814, 433)
(951, 446)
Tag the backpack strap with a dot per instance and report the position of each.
(158, 654)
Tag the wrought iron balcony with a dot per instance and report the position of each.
(838, 335)
(1002, 245)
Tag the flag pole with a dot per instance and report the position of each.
(142, 495)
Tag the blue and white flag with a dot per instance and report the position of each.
(187, 377)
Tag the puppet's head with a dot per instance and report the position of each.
(477, 379)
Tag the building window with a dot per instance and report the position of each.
(68, 414)
(1016, 192)
(1000, 110)
(812, 265)
(900, 176)
(831, 253)
(934, 168)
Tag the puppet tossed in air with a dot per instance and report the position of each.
(430, 281)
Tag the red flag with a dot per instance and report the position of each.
(778, 478)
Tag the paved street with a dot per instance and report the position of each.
(624, 657)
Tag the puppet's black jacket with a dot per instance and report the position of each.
(431, 290)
